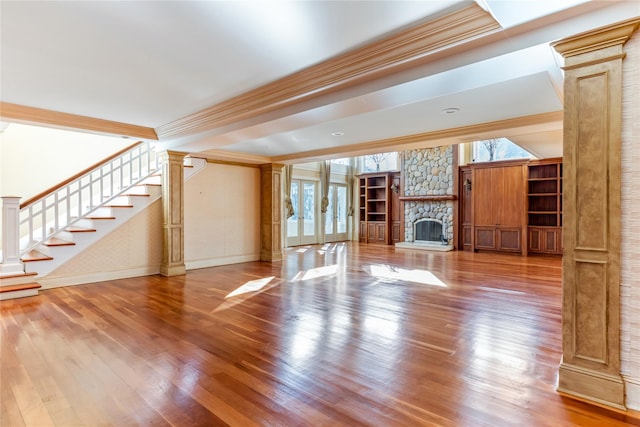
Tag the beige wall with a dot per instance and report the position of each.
(630, 243)
(133, 249)
(34, 159)
(222, 216)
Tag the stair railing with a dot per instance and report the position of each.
(63, 205)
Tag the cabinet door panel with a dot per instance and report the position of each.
(535, 237)
(363, 231)
(485, 237)
(371, 232)
(512, 206)
(509, 239)
(381, 233)
(483, 197)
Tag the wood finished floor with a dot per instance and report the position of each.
(343, 335)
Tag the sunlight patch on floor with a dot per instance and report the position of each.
(383, 271)
(251, 286)
(327, 270)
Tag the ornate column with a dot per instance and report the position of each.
(271, 212)
(10, 262)
(590, 365)
(172, 213)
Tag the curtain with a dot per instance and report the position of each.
(288, 206)
(351, 175)
(325, 180)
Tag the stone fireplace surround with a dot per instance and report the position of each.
(428, 193)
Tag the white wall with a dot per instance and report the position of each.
(33, 159)
(630, 243)
(222, 216)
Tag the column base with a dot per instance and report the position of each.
(587, 384)
(172, 270)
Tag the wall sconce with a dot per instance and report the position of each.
(467, 184)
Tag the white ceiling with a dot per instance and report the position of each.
(150, 63)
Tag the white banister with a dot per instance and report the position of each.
(10, 262)
(79, 197)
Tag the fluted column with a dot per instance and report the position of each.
(172, 213)
(271, 212)
(590, 365)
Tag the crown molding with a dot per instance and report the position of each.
(422, 140)
(40, 116)
(372, 61)
(598, 39)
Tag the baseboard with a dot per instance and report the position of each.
(596, 386)
(56, 282)
(632, 391)
(215, 262)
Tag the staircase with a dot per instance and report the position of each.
(59, 224)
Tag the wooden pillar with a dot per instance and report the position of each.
(172, 213)
(10, 262)
(271, 212)
(590, 365)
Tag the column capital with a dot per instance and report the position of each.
(598, 39)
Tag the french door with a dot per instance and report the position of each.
(301, 227)
(335, 219)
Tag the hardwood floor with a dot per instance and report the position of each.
(342, 335)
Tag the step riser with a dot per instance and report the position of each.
(83, 240)
(22, 280)
(62, 254)
(18, 294)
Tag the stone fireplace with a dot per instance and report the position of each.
(428, 198)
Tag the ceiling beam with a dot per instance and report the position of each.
(39, 116)
(500, 128)
(370, 62)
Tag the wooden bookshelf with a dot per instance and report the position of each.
(375, 205)
(544, 206)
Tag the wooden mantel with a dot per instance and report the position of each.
(428, 198)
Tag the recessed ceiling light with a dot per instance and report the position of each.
(337, 133)
(451, 110)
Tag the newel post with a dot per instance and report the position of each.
(10, 262)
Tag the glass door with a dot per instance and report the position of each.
(301, 227)
(335, 220)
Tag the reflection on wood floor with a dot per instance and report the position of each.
(342, 334)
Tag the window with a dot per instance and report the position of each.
(379, 162)
(498, 149)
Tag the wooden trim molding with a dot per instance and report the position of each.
(33, 115)
(429, 198)
(599, 39)
(375, 60)
(418, 140)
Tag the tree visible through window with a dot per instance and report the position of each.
(489, 150)
(380, 162)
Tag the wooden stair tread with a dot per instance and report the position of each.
(54, 241)
(100, 217)
(24, 286)
(35, 256)
(137, 195)
(13, 276)
(118, 206)
(76, 229)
